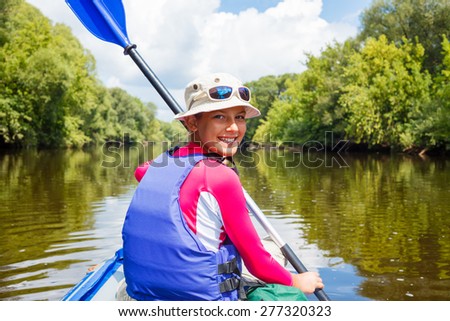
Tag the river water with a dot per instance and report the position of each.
(377, 227)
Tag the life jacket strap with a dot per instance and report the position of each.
(228, 285)
(229, 267)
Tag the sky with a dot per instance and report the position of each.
(181, 40)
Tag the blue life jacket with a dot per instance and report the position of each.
(163, 259)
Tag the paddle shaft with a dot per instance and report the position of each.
(154, 80)
(287, 251)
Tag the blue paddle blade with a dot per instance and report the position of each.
(104, 19)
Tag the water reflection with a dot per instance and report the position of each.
(48, 219)
(377, 227)
(388, 216)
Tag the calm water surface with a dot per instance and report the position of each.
(377, 227)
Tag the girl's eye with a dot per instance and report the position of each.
(240, 117)
(219, 116)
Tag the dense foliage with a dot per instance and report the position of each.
(49, 93)
(387, 88)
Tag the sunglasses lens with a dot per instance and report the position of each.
(220, 92)
(244, 93)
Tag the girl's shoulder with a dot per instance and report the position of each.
(216, 174)
(141, 170)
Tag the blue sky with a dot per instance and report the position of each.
(236, 6)
(337, 10)
(332, 10)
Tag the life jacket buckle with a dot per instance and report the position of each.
(229, 267)
(229, 285)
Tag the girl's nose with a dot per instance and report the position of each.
(232, 126)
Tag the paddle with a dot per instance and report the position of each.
(106, 20)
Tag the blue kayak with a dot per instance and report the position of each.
(100, 284)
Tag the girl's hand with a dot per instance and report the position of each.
(307, 282)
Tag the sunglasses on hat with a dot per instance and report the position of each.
(219, 93)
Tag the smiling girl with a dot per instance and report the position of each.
(187, 228)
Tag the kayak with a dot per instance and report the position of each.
(101, 283)
(106, 282)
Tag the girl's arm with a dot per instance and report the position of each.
(227, 189)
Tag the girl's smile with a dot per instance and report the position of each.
(219, 131)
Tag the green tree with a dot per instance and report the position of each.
(134, 119)
(309, 106)
(385, 93)
(174, 132)
(40, 65)
(434, 130)
(264, 92)
(424, 20)
(15, 101)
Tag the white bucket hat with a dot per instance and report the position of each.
(198, 98)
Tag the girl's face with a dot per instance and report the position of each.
(219, 131)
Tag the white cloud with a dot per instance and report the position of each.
(181, 40)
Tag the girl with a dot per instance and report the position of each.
(188, 227)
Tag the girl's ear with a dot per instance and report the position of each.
(191, 123)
